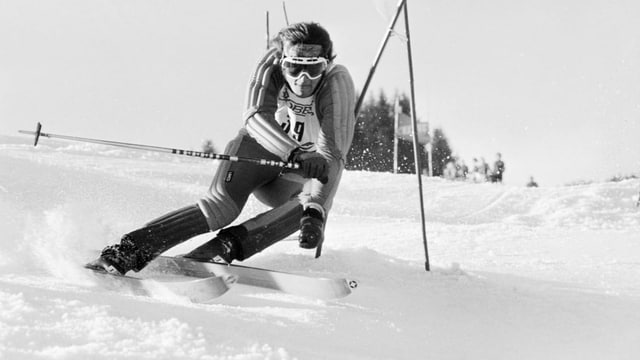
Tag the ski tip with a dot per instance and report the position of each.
(95, 265)
(99, 265)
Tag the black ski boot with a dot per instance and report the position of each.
(120, 258)
(311, 229)
(225, 247)
(139, 247)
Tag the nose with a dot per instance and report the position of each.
(304, 78)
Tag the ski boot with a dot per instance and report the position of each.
(118, 259)
(225, 247)
(311, 228)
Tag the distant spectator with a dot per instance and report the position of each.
(462, 170)
(532, 183)
(484, 170)
(475, 168)
(478, 171)
(450, 170)
(498, 169)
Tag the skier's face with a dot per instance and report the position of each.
(305, 79)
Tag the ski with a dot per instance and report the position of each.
(291, 283)
(196, 289)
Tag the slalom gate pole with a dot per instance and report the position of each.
(402, 5)
(38, 134)
(378, 56)
(286, 17)
(268, 36)
(416, 152)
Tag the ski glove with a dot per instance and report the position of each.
(312, 164)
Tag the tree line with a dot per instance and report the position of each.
(372, 147)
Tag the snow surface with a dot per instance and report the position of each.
(517, 273)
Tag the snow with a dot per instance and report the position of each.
(523, 273)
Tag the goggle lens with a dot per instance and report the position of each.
(313, 67)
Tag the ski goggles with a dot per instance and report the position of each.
(294, 67)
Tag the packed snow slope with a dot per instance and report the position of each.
(516, 273)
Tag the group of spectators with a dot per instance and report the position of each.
(480, 171)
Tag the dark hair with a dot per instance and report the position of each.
(305, 33)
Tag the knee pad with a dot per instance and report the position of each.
(218, 207)
(234, 182)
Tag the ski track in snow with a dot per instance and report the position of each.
(516, 272)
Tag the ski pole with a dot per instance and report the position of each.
(275, 163)
(378, 56)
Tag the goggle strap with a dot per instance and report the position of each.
(305, 60)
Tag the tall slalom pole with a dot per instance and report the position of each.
(268, 35)
(286, 17)
(416, 152)
(402, 6)
(378, 56)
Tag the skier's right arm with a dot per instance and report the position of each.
(262, 103)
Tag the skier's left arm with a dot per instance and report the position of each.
(336, 106)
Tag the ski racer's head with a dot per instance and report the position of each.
(306, 50)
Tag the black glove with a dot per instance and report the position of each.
(312, 164)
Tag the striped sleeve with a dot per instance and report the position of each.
(336, 107)
(262, 103)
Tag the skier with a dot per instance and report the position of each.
(300, 107)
